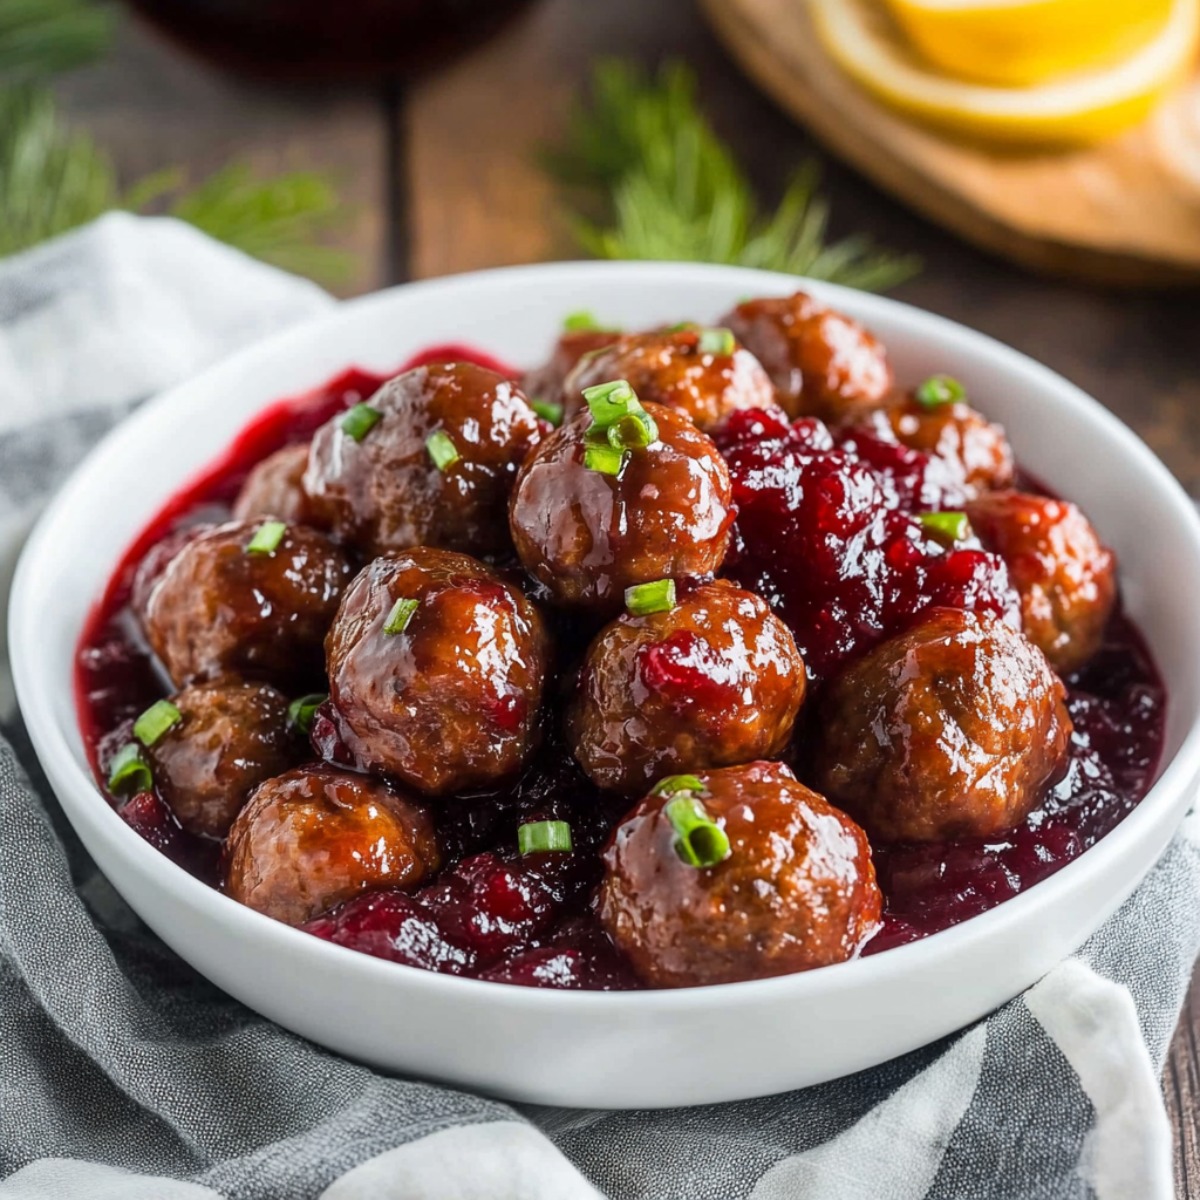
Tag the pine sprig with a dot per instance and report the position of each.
(41, 37)
(53, 179)
(659, 184)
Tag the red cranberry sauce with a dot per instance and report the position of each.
(827, 533)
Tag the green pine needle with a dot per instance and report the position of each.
(40, 37)
(53, 179)
(671, 190)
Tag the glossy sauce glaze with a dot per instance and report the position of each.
(530, 920)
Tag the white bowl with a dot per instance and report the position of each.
(637, 1049)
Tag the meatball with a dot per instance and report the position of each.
(587, 535)
(701, 372)
(436, 671)
(230, 737)
(317, 836)
(224, 606)
(976, 451)
(822, 363)
(1066, 577)
(428, 461)
(796, 890)
(952, 729)
(546, 382)
(716, 680)
(275, 488)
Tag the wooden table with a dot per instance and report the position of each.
(440, 176)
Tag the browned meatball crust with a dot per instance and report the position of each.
(974, 448)
(451, 701)
(797, 890)
(715, 681)
(316, 836)
(952, 729)
(1066, 577)
(588, 536)
(220, 608)
(823, 364)
(275, 488)
(546, 382)
(231, 736)
(386, 492)
(674, 369)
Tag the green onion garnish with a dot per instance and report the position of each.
(607, 460)
(938, 390)
(580, 322)
(950, 526)
(540, 837)
(700, 841)
(129, 771)
(441, 449)
(301, 711)
(266, 538)
(671, 784)
(646, 598)
(609, 402)
(680, 327)
(155, 721)
(634, 432)
(360, 420)
(399, 617)
(548, 411)
(717, 341)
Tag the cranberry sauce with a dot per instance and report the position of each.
(826, 533)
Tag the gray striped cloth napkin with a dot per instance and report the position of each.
(124, 1076)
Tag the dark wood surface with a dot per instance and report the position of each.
(440, 175)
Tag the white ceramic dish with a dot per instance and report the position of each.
(600, 1049)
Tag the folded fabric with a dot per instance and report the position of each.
(124, 1075)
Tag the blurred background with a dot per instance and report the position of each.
(1028, 167)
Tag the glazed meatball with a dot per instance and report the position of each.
(221, 606)
(436, 671)
(1066, 577)
(952, 729)
(433, 468)
(230, 737)
(822, 363)
(715, 681)
(587, 536)
(275, 488)
(701, 372)
(976, 451)
(317, 836)
(546, 382)
(796, 890)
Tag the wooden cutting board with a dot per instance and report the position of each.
(1124, 212)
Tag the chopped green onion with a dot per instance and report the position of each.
(938, 390)
(681, 327)
(717, 341)
(441, 449)
(950, 526)
(302, 710)
(700, 841)
(266, 538)
(360, 420)
(607, 460)
(609, 402)
(548, 411)
(671, 784)
(646, 598)
(399, 617)
(155, 721)
(129, 772)
(540, 837)
(581, 322)
(634, 432)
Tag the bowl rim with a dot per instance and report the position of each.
(68, 776)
